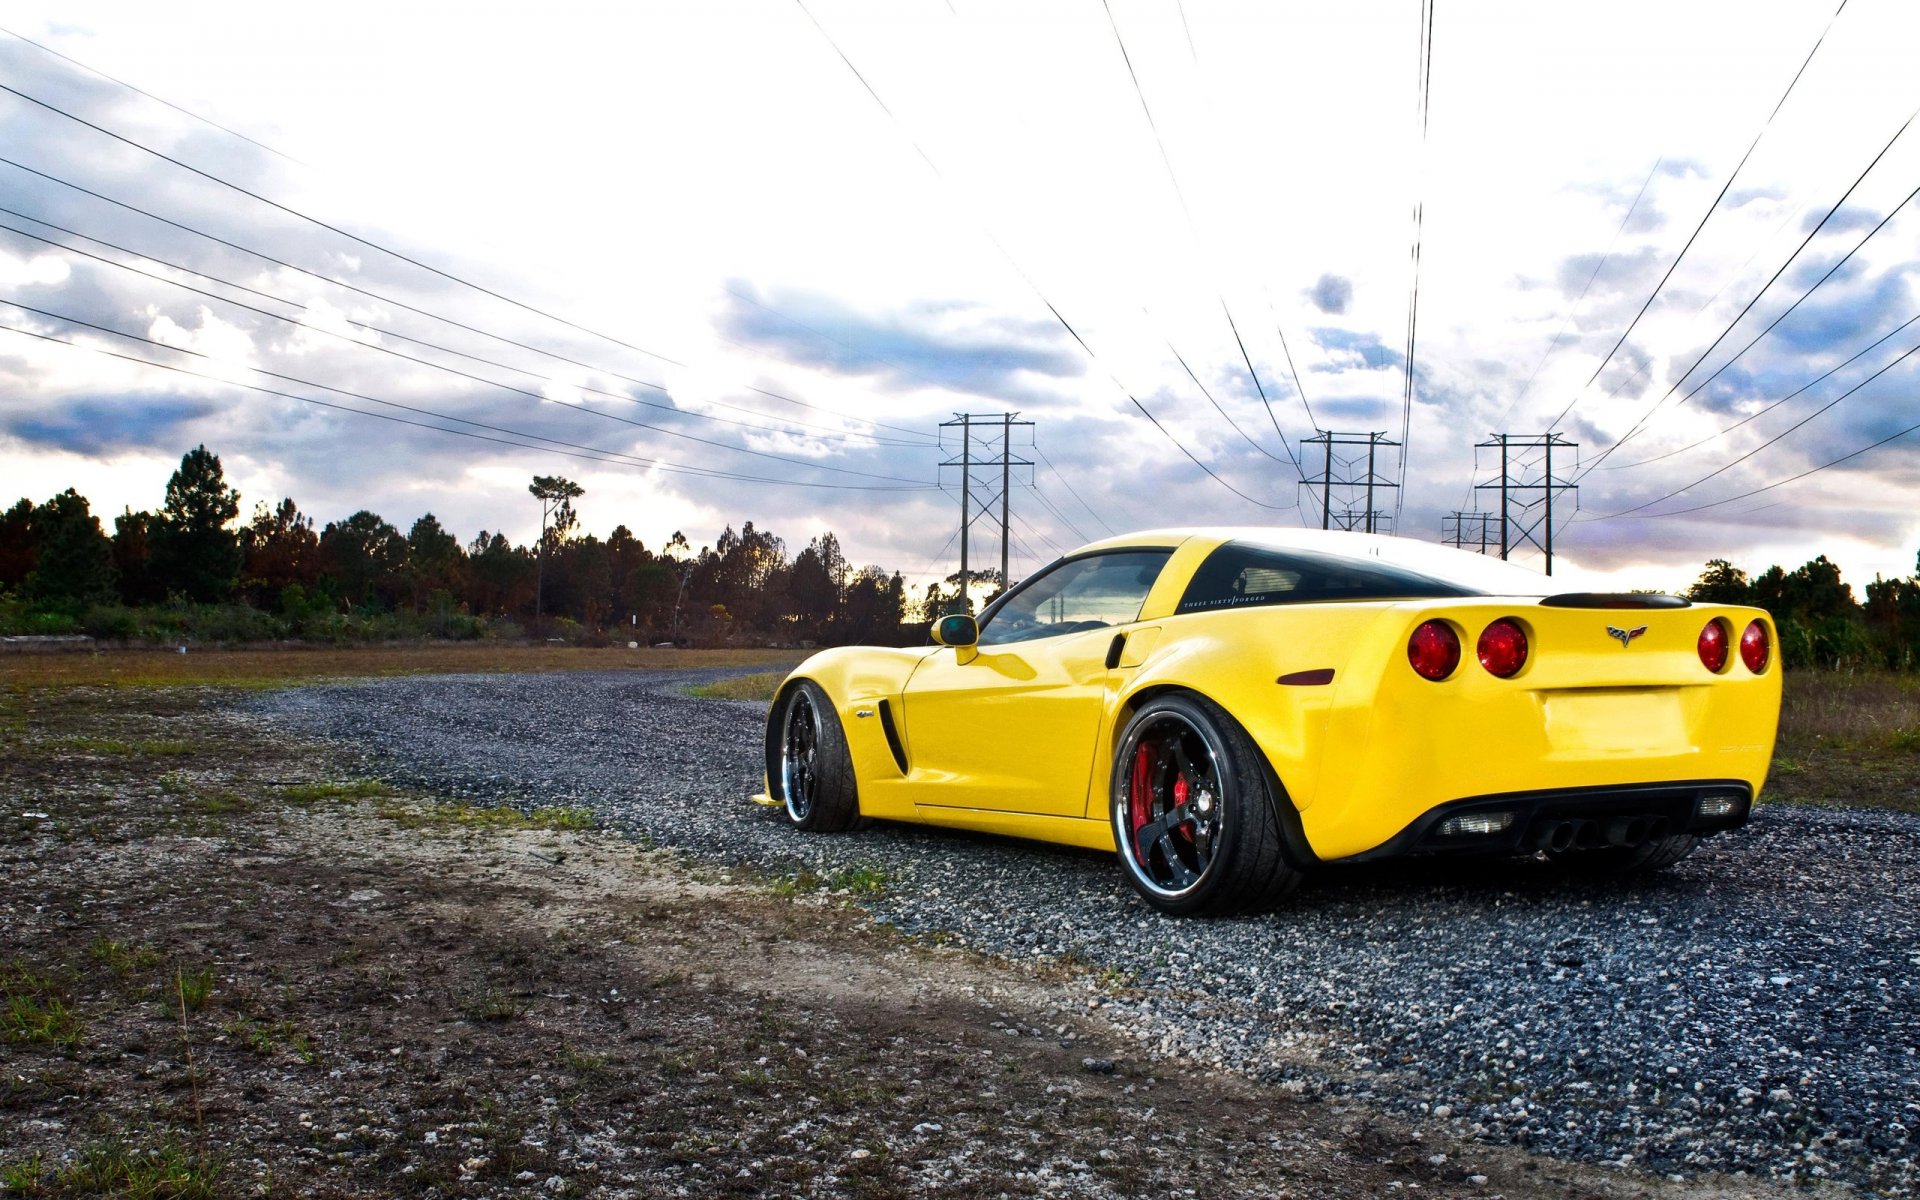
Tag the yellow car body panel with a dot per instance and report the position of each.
(1018, 739)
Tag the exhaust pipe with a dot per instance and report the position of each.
(1627, 831)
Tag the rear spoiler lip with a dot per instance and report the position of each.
(1641, 600)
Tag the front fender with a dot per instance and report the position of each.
(858, 679)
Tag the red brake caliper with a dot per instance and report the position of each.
(1138, 796)
(1180, 793)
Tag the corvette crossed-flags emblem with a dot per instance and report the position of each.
(1625, 636)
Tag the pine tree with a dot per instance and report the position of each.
(194, 552)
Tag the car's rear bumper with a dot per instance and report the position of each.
(1567, 818)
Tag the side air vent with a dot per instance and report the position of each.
(893, 736)
(1616, 600)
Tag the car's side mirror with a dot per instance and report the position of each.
(959, 630)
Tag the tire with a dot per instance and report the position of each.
(814, 779)
(1193, 812)
(1656, 854)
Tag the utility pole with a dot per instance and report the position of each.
(992, 434)
(1351, 486)
(1526, 498)
(966, 489)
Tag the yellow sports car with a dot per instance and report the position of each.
(1228, 709)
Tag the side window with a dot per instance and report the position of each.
(1083, 593)
(1237, 575)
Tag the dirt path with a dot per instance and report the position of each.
(230, 970)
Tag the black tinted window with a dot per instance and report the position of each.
(1236, 575)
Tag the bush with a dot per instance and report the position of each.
(114, 622)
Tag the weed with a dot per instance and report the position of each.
(34, 1010)
(859, 879)
(23, 1176)
(173, 783)
(220, 802)
(488, 1004)
(193, 988)
(582, 1064)
(122, 958)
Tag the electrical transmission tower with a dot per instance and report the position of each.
(1527, 487)
(1344, 482)
(986, 449)
(1469, 531)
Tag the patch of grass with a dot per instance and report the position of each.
(264, 1038)
(169, 1172)
(36, 1010)
(759, 686)
(488, 1004)
(351, 789)
(858, 879)
(123, 958)
(450, 815)
(220, 802)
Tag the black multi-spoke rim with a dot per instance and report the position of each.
(1170, 810)
(798, 747)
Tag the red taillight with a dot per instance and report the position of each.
(1713, 645)
(1503, 647)
(1434, 650)
(1755, 647)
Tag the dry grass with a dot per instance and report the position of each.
(1849, 739)
(759, 686)
(1860, 712)
(278, 667)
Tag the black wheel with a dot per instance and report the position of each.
(1652, 855)
(815, 776)
(1193, 812)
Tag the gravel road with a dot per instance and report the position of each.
(1754, 1010)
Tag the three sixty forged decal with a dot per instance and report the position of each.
(1625, 636)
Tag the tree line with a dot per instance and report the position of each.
(192, 568)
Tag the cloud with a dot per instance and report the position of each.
(108, 424)
(939, 345)
(1331, 294)
(1848, 218)
(1350, 349)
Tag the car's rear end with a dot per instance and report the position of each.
(1482, 724)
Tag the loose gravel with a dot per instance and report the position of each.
(1753, 1010)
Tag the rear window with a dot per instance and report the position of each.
(1238, 576)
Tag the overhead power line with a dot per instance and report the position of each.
(1704, 218)
(1769, 407)
(480, 379)
(1419, 229)
(1193, 229)
(441, 318)
(1738, 317)
(589, 454)
(384, 332)
(337, 230)
(1024, 277)
(208, 121)
(1728, 466)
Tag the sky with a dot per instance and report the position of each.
(728, 262)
